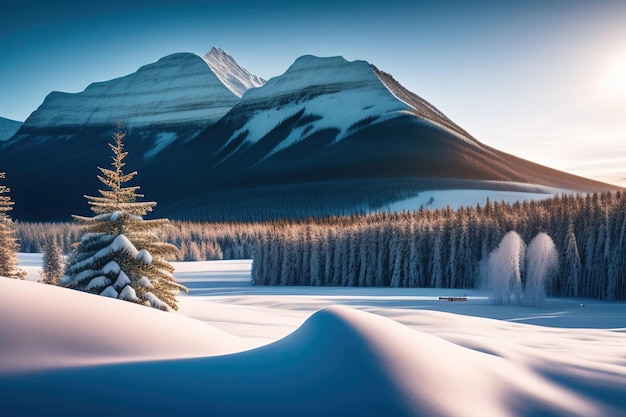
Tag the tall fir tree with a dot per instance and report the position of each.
(119, 254)
(8, 240)
(53, 264)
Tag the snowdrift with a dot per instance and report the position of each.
(88, 355)
(44, 327)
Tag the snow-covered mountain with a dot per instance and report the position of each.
(330, 93)
(180, 89)
(8, 128)
(173, 98)
(332, 132)
(327, 137)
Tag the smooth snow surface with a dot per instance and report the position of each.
(47, 327)
(440, 199)
(320, 351)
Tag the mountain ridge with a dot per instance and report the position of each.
(137, 98)
(323, 125)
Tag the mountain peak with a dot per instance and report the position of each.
(178, 89)
(307, 60)
(236, 78)
(330, 93)
(335, 67)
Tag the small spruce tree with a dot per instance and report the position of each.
(119, 254)
(53, 265)
(8, 240)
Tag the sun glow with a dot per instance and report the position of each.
(615, 79)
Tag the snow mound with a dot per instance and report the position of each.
(339, 362)
(46, 327)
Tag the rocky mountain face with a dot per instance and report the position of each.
(212, 141)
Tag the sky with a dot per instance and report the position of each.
(542, 79)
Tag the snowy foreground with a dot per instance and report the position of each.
(238, 350)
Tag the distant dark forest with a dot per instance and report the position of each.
(425, 248)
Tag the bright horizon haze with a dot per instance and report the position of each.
(543, 80)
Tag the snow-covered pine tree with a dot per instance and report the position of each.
(119, 254)
(53, 266)
(8, 240)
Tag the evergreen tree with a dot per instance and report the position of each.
(572, 264)
(52, 263)
(436, 266)
(119, 254)
(8, 240)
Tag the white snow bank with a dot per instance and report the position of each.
(43, 326)
(340, 362)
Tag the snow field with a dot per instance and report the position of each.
(319, 351)
(455, 199)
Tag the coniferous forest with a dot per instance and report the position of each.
(425, 248)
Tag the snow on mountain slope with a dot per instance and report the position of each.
(179, 89)
(332, 93)
(419, 106)
(232, 75)
(8, 128)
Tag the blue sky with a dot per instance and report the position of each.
(545, 80)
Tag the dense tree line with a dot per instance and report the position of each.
(425, 248)
(197, 241)
(447, 249)
(33, 237)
